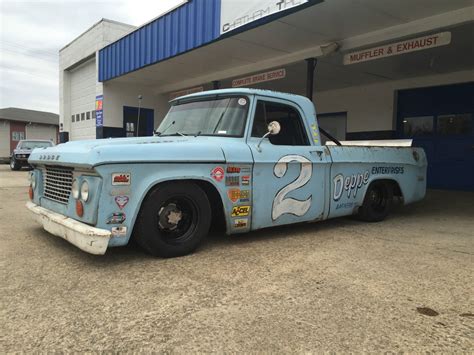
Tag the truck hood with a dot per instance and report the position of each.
(91, 153)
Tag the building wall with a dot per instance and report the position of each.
(371, 107)
(41, 131)
(71, 64)
(118, 95)
(4, 139)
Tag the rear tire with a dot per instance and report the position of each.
(173, 219)
(377, 202)
(14, 165)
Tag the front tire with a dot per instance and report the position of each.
(14, 165)
(173, 219)
(377, 202)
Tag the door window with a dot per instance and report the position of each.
(292, 128)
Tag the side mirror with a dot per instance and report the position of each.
(274, 128)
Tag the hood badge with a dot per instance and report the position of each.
(49, 157)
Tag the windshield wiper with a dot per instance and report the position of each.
(172, 134)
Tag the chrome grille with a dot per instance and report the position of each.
(57, 183)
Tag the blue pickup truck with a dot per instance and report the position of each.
(250, 158)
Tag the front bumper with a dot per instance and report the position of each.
(90, 239)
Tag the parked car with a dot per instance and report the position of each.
(20, 155)
(252, 158)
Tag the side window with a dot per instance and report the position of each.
(292, 128)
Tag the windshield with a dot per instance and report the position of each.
(209, 117)
(33, 145)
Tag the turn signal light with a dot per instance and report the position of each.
(30, 193)
(79, 208)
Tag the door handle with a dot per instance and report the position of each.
(319, 153)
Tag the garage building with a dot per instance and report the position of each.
(376, 70)
(17, 124)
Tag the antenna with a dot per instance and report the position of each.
(138, 118)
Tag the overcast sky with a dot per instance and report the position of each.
(32, 32)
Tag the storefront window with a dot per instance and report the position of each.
(418, 126)
(455, 124)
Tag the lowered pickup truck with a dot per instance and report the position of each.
(251, 158)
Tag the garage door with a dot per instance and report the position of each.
(4, 139)
(83, 90)
(35, 131)
(441, 121)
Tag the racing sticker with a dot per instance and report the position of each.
(240, 211)
(233, 170)
(233, 194)
(120, 231)
(232, 180)
(217, 173)
(116, 218)
(246, 180)
(244, 195)
(121, 201)
(121, 178)
(241, 222)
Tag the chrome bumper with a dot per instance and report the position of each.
(90, 239)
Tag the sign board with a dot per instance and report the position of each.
(259, 78)
(176, 94)
(99, 112)
(408, 46)
(236, 13)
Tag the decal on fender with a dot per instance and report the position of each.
(217, 173)
(121, 178)
(241, 223)
(116, 218)
(120, 231)
(121, 201)
(240, 211)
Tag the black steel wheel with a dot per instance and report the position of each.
(173, 219)
(377, 202)
(14, 165)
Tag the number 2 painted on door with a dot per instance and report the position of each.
(282, 205)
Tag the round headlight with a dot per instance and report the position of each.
(75, 189)
(85, 191)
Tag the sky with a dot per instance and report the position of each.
(32, 32)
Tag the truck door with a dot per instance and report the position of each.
(289, 171)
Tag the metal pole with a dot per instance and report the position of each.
(138, 118)
(310, 67)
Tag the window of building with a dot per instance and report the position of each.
(93, 115)
(88, 115)
(83, 116)
(418, 126)
(72, 118)
(292, 128)
(18, 136)
(78, 117)
(455, 124)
